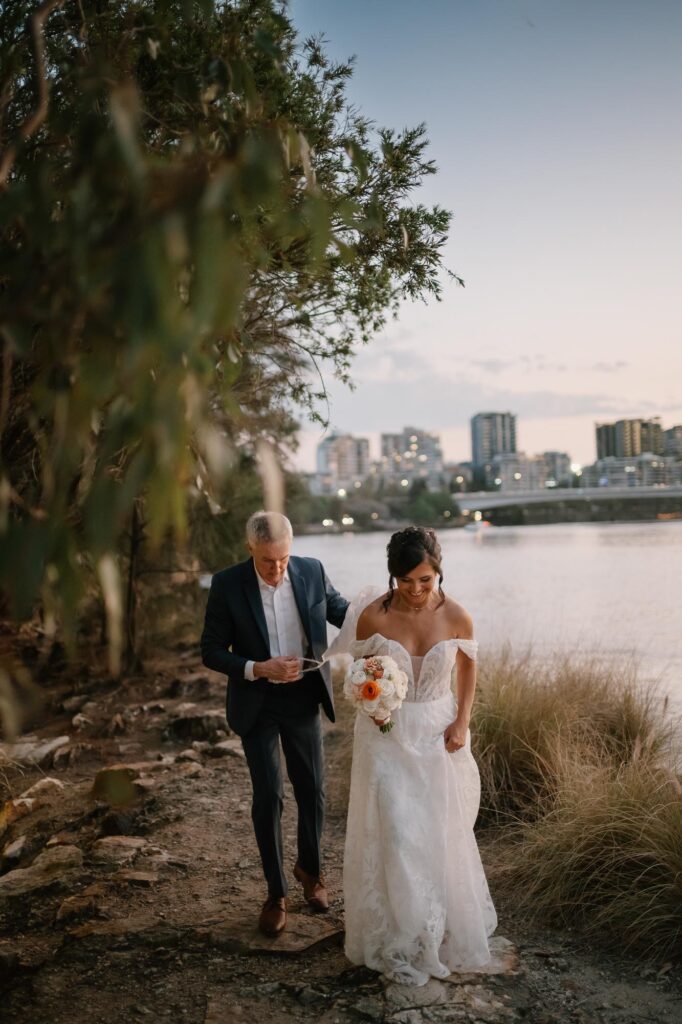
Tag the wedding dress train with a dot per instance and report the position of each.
(416, 898)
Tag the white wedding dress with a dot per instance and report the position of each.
(416, 899)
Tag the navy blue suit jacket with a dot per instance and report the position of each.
(235, 631)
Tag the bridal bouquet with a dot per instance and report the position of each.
(376, 686)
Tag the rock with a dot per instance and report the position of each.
(14, 852)
(145, 878)
(75, 907)
(117, 823)
(117, 849)
(63, 839)
(303, 931)
(433, 993)
(42, 788)
(191, 769)
(114, 785)
(504, 959)
(72, 753)
(73, 704)
(15, 809)
(119, 926)
(193, 724)
(50, 866)
(227, 748)
(80, 721)
(371, 1009)
(32, 750)
(188, 755)
(116, 725)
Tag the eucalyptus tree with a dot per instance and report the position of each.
(196, 228)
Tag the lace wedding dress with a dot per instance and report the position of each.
(416, 898)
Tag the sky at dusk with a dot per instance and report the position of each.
(555, 127)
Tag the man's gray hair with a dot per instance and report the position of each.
(268, 528)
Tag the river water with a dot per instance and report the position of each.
(609, 590)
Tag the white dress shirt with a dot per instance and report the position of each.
(285, 631)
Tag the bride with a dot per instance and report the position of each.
(416, 899)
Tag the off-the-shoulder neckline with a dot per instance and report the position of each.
(390, 640)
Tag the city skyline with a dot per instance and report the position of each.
(552, 126)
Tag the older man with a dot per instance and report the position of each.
(263, 617)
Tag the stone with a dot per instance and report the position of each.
(117, 823)
(80, 721)
(191, 723)
(432, 993)
(15, 809)
(73, 704)
(63, 839)
(117, 849)
(188, 755)
(369, 1009)
(114, 785)
(42, 788)
(118, 926)
(144, 878)
(190, 768)
(50, 866)
(504, 959)
(301, 933)
(13, 852)
(32, 750)
(227, 748)
(75, 907)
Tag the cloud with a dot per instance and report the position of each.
(438, 400)
(613, 367)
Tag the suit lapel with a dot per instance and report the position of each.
(298, 585)
(252, 591)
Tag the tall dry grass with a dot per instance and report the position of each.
(582, 797)
(530, 714)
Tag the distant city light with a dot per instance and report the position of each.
(341, 492)
(404, 483)
(327, 522)
(497, 481)
(347, 521)
(517, 476)
(447, 513)
(358, 483)
(375, 515)
(459, 479)
(478, 516)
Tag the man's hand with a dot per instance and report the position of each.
(283, 669)
(455, 735)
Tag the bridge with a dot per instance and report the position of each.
(479, 501)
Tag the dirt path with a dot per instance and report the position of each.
(147, 910)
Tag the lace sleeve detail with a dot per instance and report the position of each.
(341, 644)
(468, 647)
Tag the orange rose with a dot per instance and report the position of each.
(370, 690)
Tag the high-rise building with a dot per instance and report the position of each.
(606, 439)
(558, 469)
(342, 463)
(672, 442)
(492, 433)
(627, 438)
(412, 455)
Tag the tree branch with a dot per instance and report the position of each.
(33, 123)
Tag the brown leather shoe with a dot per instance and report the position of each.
(313, 890)
(273, 916)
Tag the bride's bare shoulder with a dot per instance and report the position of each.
(459, 620)
(370, 617)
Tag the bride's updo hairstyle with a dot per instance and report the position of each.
(406, 550)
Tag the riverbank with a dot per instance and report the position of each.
(150, 911)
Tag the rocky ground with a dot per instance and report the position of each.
(130, 886)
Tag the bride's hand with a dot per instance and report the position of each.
(455, 735)
(379, 721)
